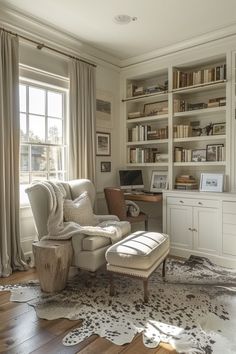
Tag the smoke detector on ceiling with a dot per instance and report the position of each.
(124, 19)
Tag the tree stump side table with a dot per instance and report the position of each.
(52, 261)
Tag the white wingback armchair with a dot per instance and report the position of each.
(89, 251)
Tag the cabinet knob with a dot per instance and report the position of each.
(190, 229)
(194, 230)
(200, 203)
(181, 201)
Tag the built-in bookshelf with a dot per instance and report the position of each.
(176, 120)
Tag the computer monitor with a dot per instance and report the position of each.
(131, 179)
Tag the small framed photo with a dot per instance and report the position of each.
(159, 181)
(219, 129)
(105, 166)
(155, 108)
(212, 182)
(103, 144)
(214, 152)
(199, 155)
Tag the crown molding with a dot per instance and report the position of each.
(210, 37)
(32, 28)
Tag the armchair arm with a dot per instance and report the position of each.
(102, 218)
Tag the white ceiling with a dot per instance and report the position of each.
(161, 23)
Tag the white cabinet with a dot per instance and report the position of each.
(193, 224)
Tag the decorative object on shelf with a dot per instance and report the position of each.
(133, 115)
(104, 105)
(105, 166)
(185, 182)
(159, 181)
(215, 152)
(199, 155)
(212, 182)
(219, 129)
(155, 108)
(103, 144)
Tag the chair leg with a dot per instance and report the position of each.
(164, 268)
(145, 288)
(146, 225)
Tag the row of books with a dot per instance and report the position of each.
(182, 131)
(146, 132)
(197, 77)
(142, 155)
(212, 153)
(183, 106)
(185, 182)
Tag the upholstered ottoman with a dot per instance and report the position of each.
(138, 255)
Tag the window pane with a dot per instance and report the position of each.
(36, 128)
(23, 127)
(55, 158)
(55, 131)
(22, 98)
(39, 176)
(36, 100)
(24, 183)
(38, 158)
(24, 158)
(56, 176)
(54, 104)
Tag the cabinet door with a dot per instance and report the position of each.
(179, 226)
(206, 230)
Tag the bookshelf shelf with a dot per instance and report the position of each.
(219, 84)
(147, 142)
(162, 94)
(200, 138)
(148, 119)
(198, 164)
(148, 164)
(197, 112)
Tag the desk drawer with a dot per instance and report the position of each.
(207, 203)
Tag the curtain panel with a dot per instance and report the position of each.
(82, 121)
(11, 256)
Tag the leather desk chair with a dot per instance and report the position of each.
(116, 206)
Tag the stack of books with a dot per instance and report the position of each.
(159, 133)
(185, 182)
(216, 102)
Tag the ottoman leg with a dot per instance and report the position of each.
(164, 268)
(145, 288)
(112, 289)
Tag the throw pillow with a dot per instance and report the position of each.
(80, 211)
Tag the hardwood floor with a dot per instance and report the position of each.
(22, 332)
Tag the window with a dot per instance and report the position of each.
(42, 129)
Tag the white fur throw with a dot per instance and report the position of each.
(80, 211)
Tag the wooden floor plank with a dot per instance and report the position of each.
(22, 332)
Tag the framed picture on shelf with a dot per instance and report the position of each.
(214, 152)
(219, 129)
(199, 155)
(159, 181)
(155, 108)
(105, 166)
(103, 144)
(212, 182)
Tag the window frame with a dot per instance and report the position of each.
(64, 145)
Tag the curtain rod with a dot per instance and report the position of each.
(41, 45)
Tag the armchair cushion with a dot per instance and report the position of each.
(80, 211)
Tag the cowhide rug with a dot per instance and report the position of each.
(194, 309)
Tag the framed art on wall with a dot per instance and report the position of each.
(103, 144)
(104, 109)
(105, 166)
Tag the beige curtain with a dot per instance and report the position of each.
(82, 121)
(10, 250)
